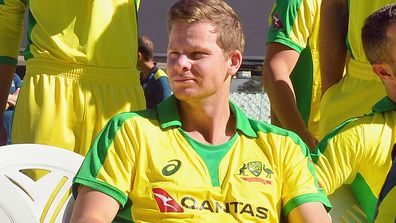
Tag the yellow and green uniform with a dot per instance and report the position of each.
(360, 87)
(146, 162)
(295, 23)
(156, 86)
(386, 211)
(80, 68)
(359, 152)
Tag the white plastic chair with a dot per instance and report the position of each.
(49, 197)
(345, 207)
(13, 206)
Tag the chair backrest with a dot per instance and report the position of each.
(345, 207)
(48, 194)
(13, 206)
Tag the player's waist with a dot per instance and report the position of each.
(35, 66)
(361, 70)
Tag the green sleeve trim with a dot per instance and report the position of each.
(96, 157)
(31, 23)
(8, 60)
(287, 12)
(285, 41)
(305, 198)
(364, 196)
(113, 192)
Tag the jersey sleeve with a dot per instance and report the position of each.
(338, 155)
(300, 184)
(291, 23)
(11, 28)
(109, 164)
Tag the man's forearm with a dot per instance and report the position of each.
(279, 64)
(283, 105)
(332, 38)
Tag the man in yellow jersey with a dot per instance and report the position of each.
(360, 151)
(80, 68)
(197, 157)
(385, 210)
(354, 93)
(291, 74)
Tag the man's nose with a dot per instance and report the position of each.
(183, 63)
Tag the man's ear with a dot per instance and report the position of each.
(236, 61)
(382, 70)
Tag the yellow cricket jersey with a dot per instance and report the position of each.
(358, 152)
(146, 162)
(386, 211)
(358, 65)
(295, 23)
(100, 33)
(350, 97)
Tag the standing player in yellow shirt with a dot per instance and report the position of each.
(291, 74)
(360, 151)
(80, 68)
(197, 157)
(341, 46)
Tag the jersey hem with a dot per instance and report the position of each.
(286, 42)
(8, 60)
(302, 199)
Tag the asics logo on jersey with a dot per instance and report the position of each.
(255, 168)
(165, 202)
(171, 168)
(277, 23)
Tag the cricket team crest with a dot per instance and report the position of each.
(255, 167)
(255, 171)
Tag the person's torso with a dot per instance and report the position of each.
(386, 211)
(358, 11)
(207, 189)
(365, 155)
(240, 181)
(153, 86)
(95, 33)
(295, 23)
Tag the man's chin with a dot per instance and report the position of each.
(185, 95)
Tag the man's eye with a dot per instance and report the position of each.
(197, 55)
(173, 55)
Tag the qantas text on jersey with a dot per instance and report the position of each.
(167, 204)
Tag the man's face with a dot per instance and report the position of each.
(197, 67)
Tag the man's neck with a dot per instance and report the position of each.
(390, 90)
(146, 69)
(209, 123)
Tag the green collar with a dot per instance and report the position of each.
(384, 105)
(168, 116)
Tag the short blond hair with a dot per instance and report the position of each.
(216, 12)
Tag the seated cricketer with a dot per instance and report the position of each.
(197, 157)
(359, 151)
